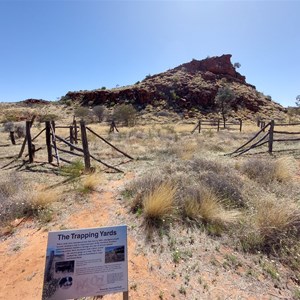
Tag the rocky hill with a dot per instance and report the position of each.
(189, 89)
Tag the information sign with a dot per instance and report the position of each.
(86, 262)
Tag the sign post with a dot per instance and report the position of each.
(86, 262)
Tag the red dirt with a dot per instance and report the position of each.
(22, 259)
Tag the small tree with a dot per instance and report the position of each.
(236, 65)
(82, 112)
(9, 126)
(298, 101)
(224, 100)
(125, 113)
(20, 130)
(100, 112)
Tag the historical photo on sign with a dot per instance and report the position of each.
(64, 267)
(114, 254)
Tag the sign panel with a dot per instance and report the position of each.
(86, 262)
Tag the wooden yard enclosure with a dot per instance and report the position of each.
(75, 144)
(268, 135)
(215, 124)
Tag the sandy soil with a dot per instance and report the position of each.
(152, 275)
(206, 274)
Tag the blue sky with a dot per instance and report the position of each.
(48, 48)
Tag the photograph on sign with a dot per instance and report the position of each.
(86, 262)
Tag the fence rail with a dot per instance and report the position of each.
(216, 123)
(270, 136)
(53, 140)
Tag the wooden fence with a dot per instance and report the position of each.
(215, 124)
(54, 141)
(268, 135)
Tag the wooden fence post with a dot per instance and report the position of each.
(29, 142)
(75, 131)
(85, 146)
(271, 135)
(48, 141)
(25, 140)
(199, 126)
(53, 126)
(218, 125)
(12, 137)
(125, 295)
(71, 137)
(241, 124)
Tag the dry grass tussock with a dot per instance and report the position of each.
(160, 202)
(264, 170)
(91, 182)
(273, 216)
(18, 200)
(273, 226)
(210, 210)
(42, 198)
(186, 151)
(285, 168)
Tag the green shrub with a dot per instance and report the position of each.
(125, 113)
(82, 112)
(73, 170)
(47, 117)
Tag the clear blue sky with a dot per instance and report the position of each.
(51, 47)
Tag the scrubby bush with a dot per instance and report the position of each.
(100, 112)
(47, 117)
(82, 113)
(125, 113)
(199, 165)
(9, 126)
(19, 129)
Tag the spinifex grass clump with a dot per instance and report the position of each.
(160, 202)
(143, 186)
(272, 224)
(90, 182)
(265, 170)
(202, 204)
(193, 197)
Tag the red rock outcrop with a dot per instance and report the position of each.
(191, 87)
(218, 65)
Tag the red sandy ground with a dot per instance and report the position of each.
(22, 269)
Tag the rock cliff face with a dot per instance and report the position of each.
(189, 88)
